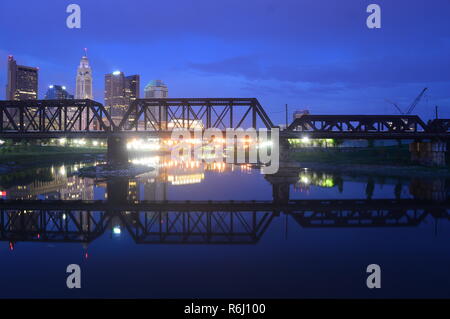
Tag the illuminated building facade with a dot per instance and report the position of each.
(120, 92)
(83, 88)
(84, 80)
(57, 92)
(157, 89)
(22, 81)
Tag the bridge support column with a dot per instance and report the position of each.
(117, 150)
(117, 190)
(428, 153)
(284, 149)
(281, 182)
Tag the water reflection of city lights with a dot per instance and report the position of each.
(245, 167)
(217, 166)
(141, 145)
(316, 179)
(117, 230)
(304, 180)
(152, 161)
(185, 179)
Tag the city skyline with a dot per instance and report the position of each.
(329, 64)
(156, 88)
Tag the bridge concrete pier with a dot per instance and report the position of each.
(117, 150)
(284, 150)
(287, 175)
(117, 190)
(428, 153)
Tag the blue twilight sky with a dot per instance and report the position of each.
(315, 54)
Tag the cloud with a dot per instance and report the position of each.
(245, 66)
(263, 88)
(369, 72)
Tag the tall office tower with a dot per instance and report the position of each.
(84, 79)
(57, 92)
(22, 81)
(157, 89)
(120, 92)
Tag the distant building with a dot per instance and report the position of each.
(57, 92)
(84, 80)
(120, 92)
(22, 81)
(299, 113)
(156, 89)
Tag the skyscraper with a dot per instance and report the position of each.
(84, 79)
(120, 92)
(157, 89)
(57, 92)
(22, 81)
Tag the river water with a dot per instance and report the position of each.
(317, 239)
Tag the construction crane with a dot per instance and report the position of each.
(413, 104)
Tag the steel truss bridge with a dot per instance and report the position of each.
(157, 117)
(148, 117)
(199, 222)
(368, 127)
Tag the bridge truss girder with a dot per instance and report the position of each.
(197, 227)
(190, 113)
(47, 116)
(51, 226)
(359, 123)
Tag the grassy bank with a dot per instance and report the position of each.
(383, 161)
(391, 155)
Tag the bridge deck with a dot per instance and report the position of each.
(218, 206)
(157, 117)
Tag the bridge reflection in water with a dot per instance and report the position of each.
(199, 222)
(159, 221)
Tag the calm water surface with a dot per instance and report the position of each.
(309, 253)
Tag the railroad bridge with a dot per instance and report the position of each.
(41, 119)
(199, 222)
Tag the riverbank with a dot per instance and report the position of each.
(391, 161)
(20, 157)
